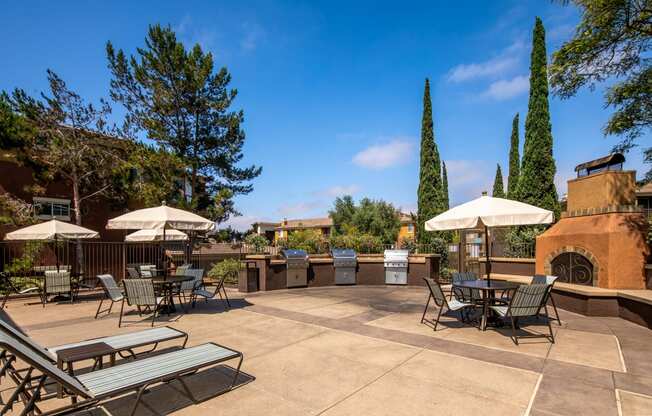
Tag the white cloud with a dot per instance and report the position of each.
(386, 155)
(505, 61)
(189, 34)
(253, 34)
(509, 88)
(300, 209)
(492, 67)
(242, 222)
(339, 190)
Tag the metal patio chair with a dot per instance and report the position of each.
(90, 389)
(465, 294)
(202, 291)
(112, 293)
(550, 281)
(57, 283)
(437, 295)
(140, 293)
(147, 270)
(187, 288)
(133, 273)
(10, 288)
(526, 302)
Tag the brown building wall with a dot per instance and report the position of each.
(609, 188)
(17, 179)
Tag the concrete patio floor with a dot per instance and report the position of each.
(361, 350)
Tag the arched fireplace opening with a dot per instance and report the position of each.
(572, 267)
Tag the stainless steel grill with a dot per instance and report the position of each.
(345, 262)
(297, 267)
(396, 267)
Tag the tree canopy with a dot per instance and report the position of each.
(180, 101)
(612, 42)
(498, 191)
(536, 185)
(430, 200)
(514, 162)
(374, 217)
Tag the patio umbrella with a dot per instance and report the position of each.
(52, 230)
(156, 235)
(162, 217)
(488, 212)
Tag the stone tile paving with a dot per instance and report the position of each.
(361, 350)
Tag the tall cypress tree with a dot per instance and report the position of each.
(536, 185)
(444, 186)
(429, 195)
(498, 191)
(514, 162)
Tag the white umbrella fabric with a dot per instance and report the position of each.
(52, 230)
(160, 217)
(489, 212)
(156, 235)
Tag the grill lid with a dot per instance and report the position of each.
(294, 254)
(343, 253)
(396, 255)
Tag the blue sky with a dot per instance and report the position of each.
(332, 92)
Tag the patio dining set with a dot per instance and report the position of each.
(485, 302)
(152, 290)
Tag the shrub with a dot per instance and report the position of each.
(257, 241)
(521, 241)
(227, 268)
(361, 243)
(311, 241)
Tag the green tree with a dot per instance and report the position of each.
(514, 162)
(536, 185)
(376, 218)
(429, 195)
(444, 186)
(182, 103)
(498, 191)
(611, 42)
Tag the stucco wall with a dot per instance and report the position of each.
(610, 188)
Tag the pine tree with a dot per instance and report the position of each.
(536, 185)
(444, 186)
(429, 195)
(498, 191)
(514, 162)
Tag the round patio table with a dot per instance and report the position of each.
(168, 283)
(488, 290)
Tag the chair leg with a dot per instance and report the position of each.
(552, 337)
(122, 307)
(434, 328)
(228, 304)
(99, 307)
(426, 308)
(514, 336)
(154, 314)
(554, 307)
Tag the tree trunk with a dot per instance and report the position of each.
(78, 220)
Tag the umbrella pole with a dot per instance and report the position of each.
(56, 251)
(486, 252)
(165, 257)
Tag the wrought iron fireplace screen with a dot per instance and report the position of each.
(573, 268)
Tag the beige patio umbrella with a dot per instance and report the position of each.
(488, 212)
(156, 235)
(52, 230)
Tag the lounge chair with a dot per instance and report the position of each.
(133, 273)
(550, 281)
(525, 302)
(112, 293)
(11, 288)
(437, 295)
(140, 293)
(90, 389)
(57, 283)
(201, 291)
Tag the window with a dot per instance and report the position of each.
(410, 228)
(49, 208)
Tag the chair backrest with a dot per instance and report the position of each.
(57, 282)
(111, 288)
(133, 273)
(11, 330)
(140, 292)
(24, 351)
(463, 276)
(543, 279)
(181, 270)
(465, 294)
(197, 277)
(146, 270)
(527, 299)
(436, 292)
